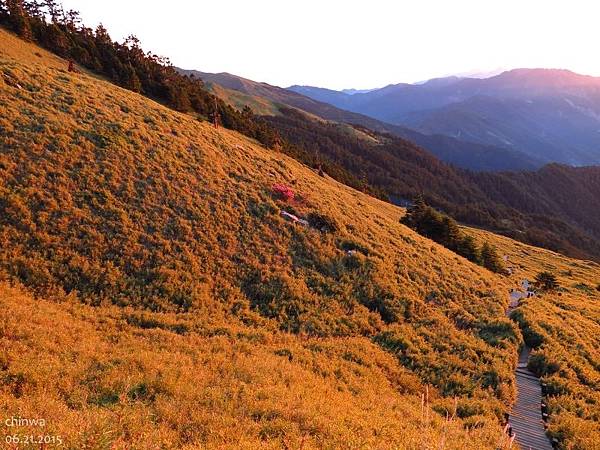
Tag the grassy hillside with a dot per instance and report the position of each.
(154, 296)
(386, 167)
(112, 376)
(181, 308)
(522, 205)
(239, 100)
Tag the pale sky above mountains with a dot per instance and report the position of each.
(360, 44)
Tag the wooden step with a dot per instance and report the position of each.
(526, 416)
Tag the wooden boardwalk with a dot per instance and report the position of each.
(526, 415)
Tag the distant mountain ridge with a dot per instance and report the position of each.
(469, 155)
(356, 91)
(552, 115)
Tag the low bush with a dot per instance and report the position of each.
(323, 222)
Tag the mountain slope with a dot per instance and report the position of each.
(555, 189)
(544, 127)
(465, 154)
(207, 303)
(239, 100)
(551, 115)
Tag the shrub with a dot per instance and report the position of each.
(545, 281)
(495, 333)
(322, 222)
(349, 246)
(555, 386)
(274, 298)
(283, 192)
(142, 392)
(541, 365)
(532, 337)
(469, 408)
(490, 259)
(584, 288)
(285, 352)
(467, 247)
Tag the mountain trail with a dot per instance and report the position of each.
(526, 420)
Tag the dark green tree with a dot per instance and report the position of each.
(425, 220)
(490, 258)
(129, 78)
(467, 247)
(18, 19)
(451, 233)
(440, 228)
(179, 98)
(55, 10)
(72, 20)
(56, 40)
(35, 8)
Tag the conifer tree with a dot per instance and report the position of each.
(179, 98)
(468, 248)
(54, 39)
(545, 281)
(451, 233)
(34, 8)
(441, 228)
(129, 79)
(55, 10)
(72, 20)
(18, 19)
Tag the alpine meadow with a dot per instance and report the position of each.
(201, 261)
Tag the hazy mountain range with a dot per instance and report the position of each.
(469, 155)
(549, 114)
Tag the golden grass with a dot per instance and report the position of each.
(238, 100)
(96, 378)
(14, 48)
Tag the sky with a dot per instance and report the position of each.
(356, 44)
